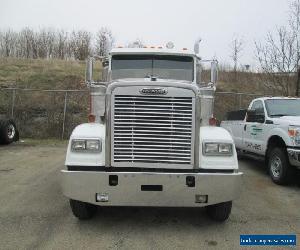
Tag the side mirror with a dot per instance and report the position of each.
(254, 116)
(89, 70)
(214, 72)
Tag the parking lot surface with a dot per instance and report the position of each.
(35, 215)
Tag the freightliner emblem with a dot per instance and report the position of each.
(153, 91)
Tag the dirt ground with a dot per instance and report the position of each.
(35, 215)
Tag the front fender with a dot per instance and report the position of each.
(280, 132)
(221, 135)
(87, 131)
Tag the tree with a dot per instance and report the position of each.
(104, 41)
(7, 43)
(294, 21)
(236, 46)
(50, 43)
(279, 56)
(81, 44)
(61, 44)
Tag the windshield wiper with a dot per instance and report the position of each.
(280, 115)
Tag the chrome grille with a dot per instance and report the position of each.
(152, 129)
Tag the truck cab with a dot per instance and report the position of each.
(149, 142)
(270, 129)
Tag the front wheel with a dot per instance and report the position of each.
(220, 212)
(279, 167)
(83, 210)
(8, 132)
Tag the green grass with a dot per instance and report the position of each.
(42, 74)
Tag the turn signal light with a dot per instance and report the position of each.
(292, 132)
(212, 121)
(91, 118)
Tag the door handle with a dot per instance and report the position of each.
(245, 127)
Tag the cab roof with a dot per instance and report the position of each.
(277, 97)
(155, 51)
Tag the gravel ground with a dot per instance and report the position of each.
(35, 215)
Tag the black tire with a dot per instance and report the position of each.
(220, 212)
(280, 170)
(83, 210)
(240, 154)
(8, 132)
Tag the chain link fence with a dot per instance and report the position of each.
(55, 113)
(229, 101)
(44, 113)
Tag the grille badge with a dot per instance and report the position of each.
(153, 91)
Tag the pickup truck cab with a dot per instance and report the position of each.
(269, 128)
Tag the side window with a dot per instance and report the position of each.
(258, 107)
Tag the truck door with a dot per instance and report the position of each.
(254, 129)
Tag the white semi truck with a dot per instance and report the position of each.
(148, 142)
(269, 129)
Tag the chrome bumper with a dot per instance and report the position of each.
(84, 185)
(294, 157)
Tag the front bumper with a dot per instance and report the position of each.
(294, 157)
(84, 185)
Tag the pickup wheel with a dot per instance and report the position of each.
(82, 210)
(280, 169)
(220, 212)
(8, 132)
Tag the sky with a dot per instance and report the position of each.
(156, 22)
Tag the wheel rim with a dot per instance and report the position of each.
(11, 131)
(276, 166)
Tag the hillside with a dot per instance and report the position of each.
(41, 74)
(69, 74)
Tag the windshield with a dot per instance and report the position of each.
(160, 66)
(283, 107)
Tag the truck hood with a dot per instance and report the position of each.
(290, 120)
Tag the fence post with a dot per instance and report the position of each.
(64, 116)
(240, 101)
(13, 102)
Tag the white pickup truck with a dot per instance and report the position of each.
(269, 128)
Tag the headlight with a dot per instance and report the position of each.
(215, 149)
(89, 145)
(294, 134)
